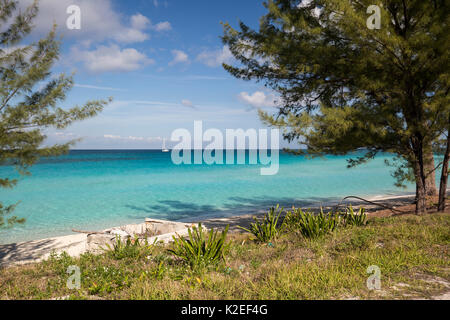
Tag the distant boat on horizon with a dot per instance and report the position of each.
(164, 149)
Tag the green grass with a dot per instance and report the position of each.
(409, 250)
(311, 225)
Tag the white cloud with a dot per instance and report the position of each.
(179, 57)
(193, 77)
(110, 136)
(116, 141)
(163, 26)
(118, 104)
(131, 138)
(258, 99)
(140, 22)
(87, 86)
(216, 58)
(99, 21)
(158, 3)
(111, 59)
(136, 33)
(62, 135)
(187, 103)
(131, 36)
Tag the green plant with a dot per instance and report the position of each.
(311, 225)
(59, 262)
(158, 273)
(358, 239)
(200, 249)
(268, 228)
(106, 279)
(351, 218)
(128, 249)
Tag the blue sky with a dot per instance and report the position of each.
(161, 62)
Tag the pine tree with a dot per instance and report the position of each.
(346, 84)
(30, 97)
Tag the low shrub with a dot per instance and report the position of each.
(131, 248)
(106, 279)
(58, 262)
(268, 228)
(351, 218)
(311, 225)
(200, 249)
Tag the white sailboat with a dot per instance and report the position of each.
(164, 149)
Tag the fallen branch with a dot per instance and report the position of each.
(88, 232)
(371, 202)
(154, 221)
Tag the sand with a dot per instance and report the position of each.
(38, 250)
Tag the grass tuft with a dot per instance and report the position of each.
(201, 249)
(311, 225)
(267, 229)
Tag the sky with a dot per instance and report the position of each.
(161, 61)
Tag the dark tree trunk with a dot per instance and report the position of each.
(421, 194)
(444, 176)
(419, 174)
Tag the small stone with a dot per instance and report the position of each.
(379, 245)
(120, 233)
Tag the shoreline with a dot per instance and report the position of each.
(219, 213)
(75, 244)
(327, 204)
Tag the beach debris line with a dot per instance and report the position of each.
(88, 232)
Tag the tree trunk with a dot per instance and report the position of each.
(430, 172)
(421, 196)
(419, 174)
(444, 176)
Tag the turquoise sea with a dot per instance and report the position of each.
(99, 189)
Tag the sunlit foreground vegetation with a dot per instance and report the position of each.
(284, 255)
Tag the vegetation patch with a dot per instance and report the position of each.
(268, 228)
(200, 250)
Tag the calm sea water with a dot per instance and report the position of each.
(99, 189)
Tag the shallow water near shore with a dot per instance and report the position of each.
(92, 190)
